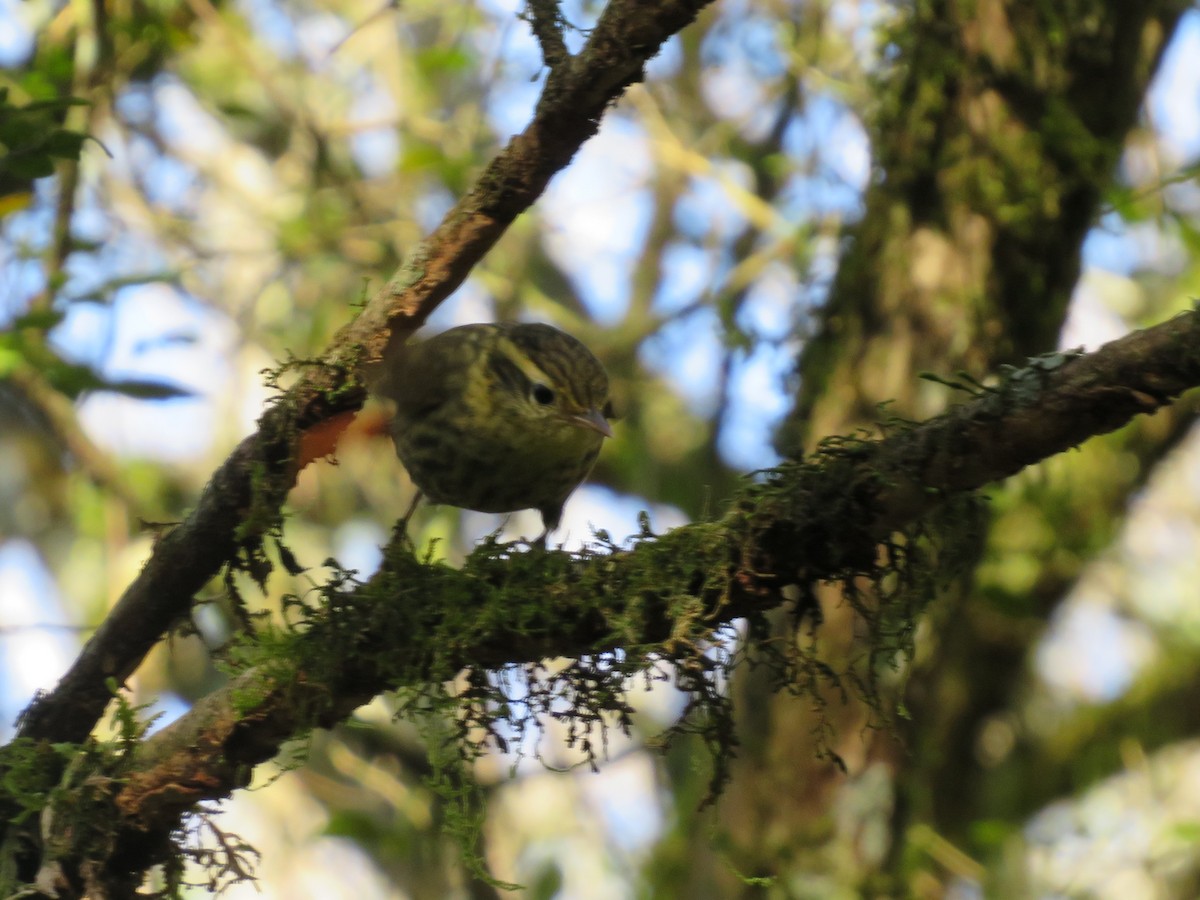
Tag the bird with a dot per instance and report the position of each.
(498, 417)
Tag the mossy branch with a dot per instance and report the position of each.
(823, 518)
(254, 481)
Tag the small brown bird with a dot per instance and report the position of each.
(498, 418)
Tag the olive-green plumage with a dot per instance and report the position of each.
(498, 418)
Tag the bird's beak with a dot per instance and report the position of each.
(593, 419)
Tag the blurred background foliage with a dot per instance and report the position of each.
(830, 179)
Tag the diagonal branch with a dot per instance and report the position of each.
(546, 20)
(812, 522)
(244, 495)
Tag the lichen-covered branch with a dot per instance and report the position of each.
(1054, 404)
(546, 19)
(243, 498)
(822, 518)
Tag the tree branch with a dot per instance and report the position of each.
(828, 515)
(246, 492)
(546, 20)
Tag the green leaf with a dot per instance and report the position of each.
(10, 360)
(56, 105)
(443, 60)
(418, 156)
(1187, 831)
(64, 144)
(41, 319)
(28, 166)
(145, 390)
(73, 379)
(32, 137)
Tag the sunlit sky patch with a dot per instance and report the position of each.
(1174, 97)
(36, 640)
(1069, 664)
(154, 333)
(16, 34)
(597, 212)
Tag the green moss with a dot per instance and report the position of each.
(61, 805)
(464, 646)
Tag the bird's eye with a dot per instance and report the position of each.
(543, 394)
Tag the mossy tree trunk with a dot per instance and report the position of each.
(999, 129)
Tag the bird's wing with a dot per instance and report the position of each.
(427, 375)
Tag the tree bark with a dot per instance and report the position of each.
(997, 136)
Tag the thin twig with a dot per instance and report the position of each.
(546, 19)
